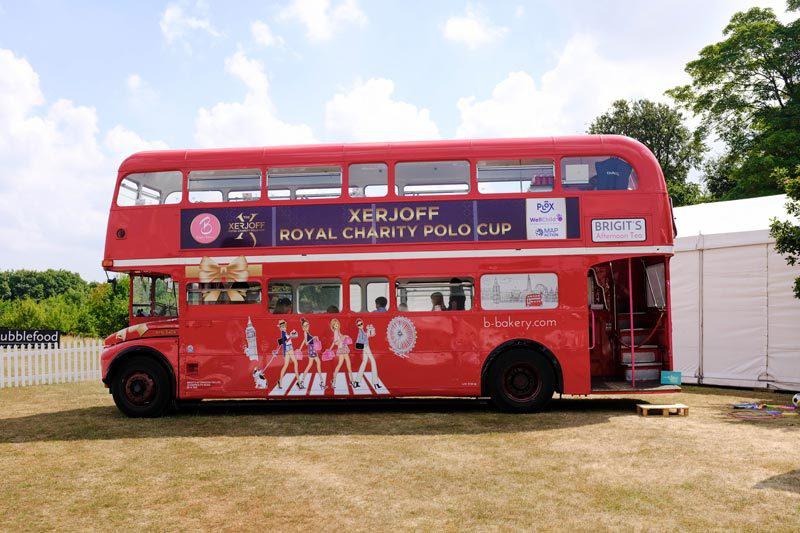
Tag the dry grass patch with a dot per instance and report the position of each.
(69, 460)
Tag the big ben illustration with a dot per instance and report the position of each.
(251, 350)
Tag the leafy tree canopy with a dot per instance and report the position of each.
(662, 129)
(746, 89)
(786, 233)
(37, 285)
(56, 299)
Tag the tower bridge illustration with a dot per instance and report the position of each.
(531, 296)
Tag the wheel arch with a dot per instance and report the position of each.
(525, 344)
(146, 351)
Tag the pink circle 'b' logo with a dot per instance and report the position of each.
(205, 228)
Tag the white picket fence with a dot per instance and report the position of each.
(44, 364)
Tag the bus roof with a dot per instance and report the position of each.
(582, 144)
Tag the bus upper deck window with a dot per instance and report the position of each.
(515, 176)
(304, 183)
(150, 188)
(597, 173)
(432, 178)
(238, 185)
(368, 180)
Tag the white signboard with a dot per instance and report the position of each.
(546, 218)
(519, 291)
(618, 229)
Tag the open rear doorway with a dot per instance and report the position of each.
(628, 325)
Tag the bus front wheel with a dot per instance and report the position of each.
(141, 388)
(521, 381)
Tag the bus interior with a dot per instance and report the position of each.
(629, 340)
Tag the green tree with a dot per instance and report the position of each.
(786, 233)
(662, 129)
(37, 285)
(108, 306)
(84, 309)
(746, 89)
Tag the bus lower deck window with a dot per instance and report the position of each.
(434, 294)
(217, 293)
(305, 296)
(369, 295)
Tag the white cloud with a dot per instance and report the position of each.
(57, 178)
(140, 94)
(252, 121)
(176, 24)
(472, 30)
(122, 142)
(582, 85)
(323, 19)
(262, 34)
(369, 113)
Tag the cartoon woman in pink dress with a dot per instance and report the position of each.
(312, 343)
(287, 350)
(342, 350)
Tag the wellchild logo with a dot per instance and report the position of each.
(22, 337)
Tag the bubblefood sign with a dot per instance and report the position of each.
(24, 337)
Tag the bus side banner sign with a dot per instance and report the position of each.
(381, 223)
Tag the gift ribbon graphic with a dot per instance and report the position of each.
(209, 271)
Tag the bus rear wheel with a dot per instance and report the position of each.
(141, 388)
(521, 381)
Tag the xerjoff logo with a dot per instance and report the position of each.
(545, 207)
(246, 224)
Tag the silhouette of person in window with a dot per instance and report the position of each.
(458, 299)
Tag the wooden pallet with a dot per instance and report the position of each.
(645, 409)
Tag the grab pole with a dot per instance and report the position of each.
(630, 315)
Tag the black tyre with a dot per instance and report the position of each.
(141, 388)
(521, 381)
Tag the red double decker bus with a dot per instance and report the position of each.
(509, 269)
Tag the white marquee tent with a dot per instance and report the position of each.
(735, 320)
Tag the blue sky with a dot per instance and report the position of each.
(84, 84)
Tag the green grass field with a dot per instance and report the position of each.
(70, 461)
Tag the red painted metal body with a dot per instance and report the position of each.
(205, 345)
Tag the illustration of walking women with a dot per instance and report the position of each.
(287, 350)
(312, 343)
(342, 350)
(362, 343)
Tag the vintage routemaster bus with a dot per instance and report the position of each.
(509, 269)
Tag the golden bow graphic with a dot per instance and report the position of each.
(141, 329)
(210, 272)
